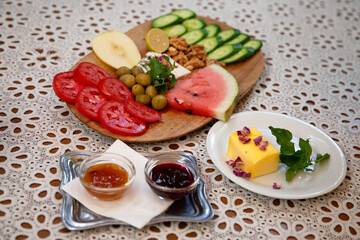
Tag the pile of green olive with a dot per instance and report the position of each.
(140, 85)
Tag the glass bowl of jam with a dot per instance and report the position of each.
(106, 175)
(171, 176)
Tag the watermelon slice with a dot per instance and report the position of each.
(211, 92)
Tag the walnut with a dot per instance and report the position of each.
(196, 51)
(172, 51)
(180, 58)
(191, 57)
(179, 43)
(194, 63)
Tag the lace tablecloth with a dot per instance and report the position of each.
(312, 62)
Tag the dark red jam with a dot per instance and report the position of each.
(171, 175)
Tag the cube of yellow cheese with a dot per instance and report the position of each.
(255, 161)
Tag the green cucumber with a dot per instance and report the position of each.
(184, 13)
(254, 44)
(242, 38)
(194, 36)
(210, 43)
(241, 55)
(194, 24)
(175, 30)
(224, 51)
(229, 34)
(165, 21)
(212, 29)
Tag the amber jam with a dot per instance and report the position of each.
(106, 181)
(106, 175)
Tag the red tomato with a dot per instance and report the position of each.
(113, 116)
(142, 111)
(88, 102)
(114, 89)
(65, 87)
(89, 74)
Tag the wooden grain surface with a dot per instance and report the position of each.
(174, 123)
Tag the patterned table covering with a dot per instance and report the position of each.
(312, 62)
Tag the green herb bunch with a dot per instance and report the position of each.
(160, 73)
(295, 160)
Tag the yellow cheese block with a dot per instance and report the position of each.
(255, 161)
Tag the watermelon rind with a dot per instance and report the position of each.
(227, 106)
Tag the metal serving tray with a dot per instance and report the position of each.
(75, 216)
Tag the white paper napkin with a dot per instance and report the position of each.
(136, 207)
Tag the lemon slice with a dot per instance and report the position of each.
(157, 40)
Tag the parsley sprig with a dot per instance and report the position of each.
(161, 75)
(295, 160)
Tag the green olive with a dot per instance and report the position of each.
(151, 91)
(137, 89)
(128, 80)
(122, 71)
(143, 99)
(136, 71)
(143, 79)
(159, 102)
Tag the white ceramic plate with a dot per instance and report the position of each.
(326, 176)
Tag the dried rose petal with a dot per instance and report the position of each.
(244, 139)
(263, 145)
(257, 140)
(246, 131)
(276, 186)
(230, 162)
(240, 173)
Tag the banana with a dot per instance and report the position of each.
(116, 49)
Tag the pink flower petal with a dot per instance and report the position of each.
(276, 186)
(263, 145)
(257, 140)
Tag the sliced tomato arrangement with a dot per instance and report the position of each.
(114, 89)
(114, 117)
(105, 99)
(89, 74)
(65, 87)
(142, 111)
(89, 100)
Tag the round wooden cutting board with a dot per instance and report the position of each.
(174, 123)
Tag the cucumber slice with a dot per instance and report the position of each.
(212, 29)
(241, 55)
(210, 43)
(229, 34)
(194, 23)
(224, 51)
(194, 36)
(239, 39)
(254, 44)
(165, 21)
(184, 13)
(175, 30)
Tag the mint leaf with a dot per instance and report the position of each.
(294, 160)
(283, 138)
(320, 158)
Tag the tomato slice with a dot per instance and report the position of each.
(89, 100)
(114, 89)
(89, 74)
(142, 111)
(65, 86)
(113, 116)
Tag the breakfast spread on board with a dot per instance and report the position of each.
(143, 88)
(186, 68)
